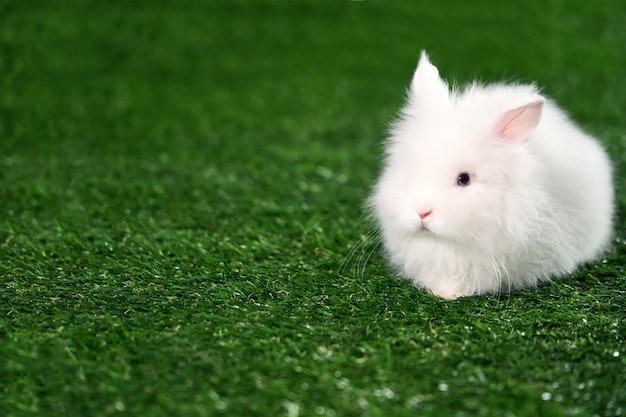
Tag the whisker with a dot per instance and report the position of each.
(366, 256)
(360, 253)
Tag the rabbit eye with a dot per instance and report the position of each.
(463, 179)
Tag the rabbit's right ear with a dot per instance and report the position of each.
(427, 86)
(518, 124)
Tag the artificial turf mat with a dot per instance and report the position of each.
(181, 189)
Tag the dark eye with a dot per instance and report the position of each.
(463, 179)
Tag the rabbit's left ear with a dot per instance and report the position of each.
(427, 87)
(518, 124)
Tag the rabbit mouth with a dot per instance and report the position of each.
(424, 229)
(424, 224)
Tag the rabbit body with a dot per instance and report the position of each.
(489, 189)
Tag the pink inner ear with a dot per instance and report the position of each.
(518, 124)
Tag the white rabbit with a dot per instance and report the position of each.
(489, 189)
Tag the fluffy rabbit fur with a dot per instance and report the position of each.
(489, 189)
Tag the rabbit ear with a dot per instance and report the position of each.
(427, 86)
(518, 124)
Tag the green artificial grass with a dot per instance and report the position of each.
(181, 189)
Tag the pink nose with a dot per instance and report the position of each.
(424, 214)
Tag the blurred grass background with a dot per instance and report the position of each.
(181, 186)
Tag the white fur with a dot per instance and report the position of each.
(540, 200)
